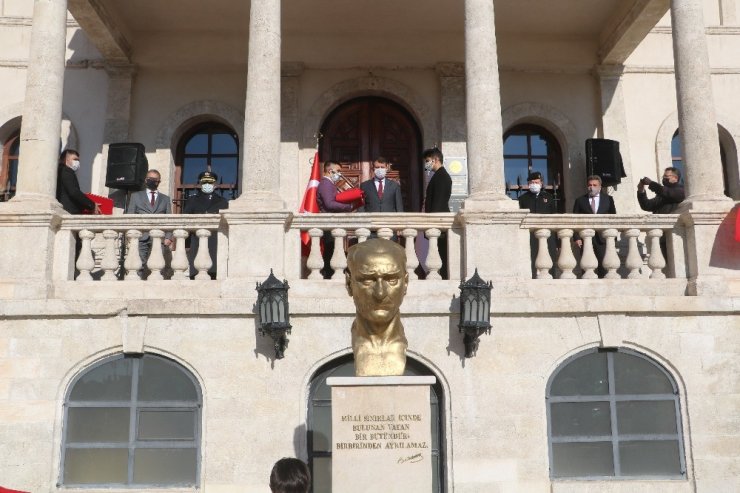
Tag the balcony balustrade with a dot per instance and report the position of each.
(107, 248)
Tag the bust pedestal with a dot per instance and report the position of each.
(381, 434)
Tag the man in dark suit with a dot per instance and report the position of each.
(539, 201)
(68, 187)
(381, 194)
(150, 201)
(437, 197)
(595, 202)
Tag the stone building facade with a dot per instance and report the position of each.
(628, 383)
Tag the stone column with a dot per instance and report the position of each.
(483, 105)
(614, 126)
(697, 119)
(260, 182)
(42, 108)
(290, 180)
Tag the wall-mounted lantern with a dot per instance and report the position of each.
(475, 311)
(273, 317)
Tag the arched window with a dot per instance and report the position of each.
(132, 421)
(614, 413)
(677, 162)
(530, 148)
(9, 171)
(207, 144)
(319, 422)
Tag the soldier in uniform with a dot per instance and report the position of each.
(206, 201)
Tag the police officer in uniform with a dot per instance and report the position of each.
(539, 201)
(206, 201)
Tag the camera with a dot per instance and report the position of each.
(645, 181)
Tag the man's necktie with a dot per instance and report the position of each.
(593, 204)
(380, 189)
(152, 200)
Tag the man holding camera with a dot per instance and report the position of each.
(667, 195)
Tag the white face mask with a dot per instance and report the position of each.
(428, 165)
(380, 173)
(75, 165)
(535, 187)
(335, 177)
(593, 191)
(207, 187)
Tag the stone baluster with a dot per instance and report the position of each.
(362, 234)
(155, 263)
(385, 233)
(611, 259)
(180, 265)
(634, 260)
(203, 260)
(110, 260)
(566, 259)
(434, 261)
(543, 262)
(315, 262)
(132, 264)
(411, 259)
(589, 262)
(85, 262)
(656, 262)
(338, 260)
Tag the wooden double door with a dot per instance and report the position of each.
(362, 129)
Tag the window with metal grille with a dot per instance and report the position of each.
(614, 414)
(132, 422)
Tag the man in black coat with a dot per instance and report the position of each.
(437, 197)
(667, 197)
(595, 202)
(539, 201)
(206, 201)
(68, 188)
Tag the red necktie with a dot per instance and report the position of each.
(380, 189)
(152, 200)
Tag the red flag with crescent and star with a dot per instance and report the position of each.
(310, 204)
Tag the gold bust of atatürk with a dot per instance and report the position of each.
(377, 280)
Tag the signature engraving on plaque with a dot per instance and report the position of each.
(410, 459)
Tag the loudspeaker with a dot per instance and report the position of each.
(603, 159)
(127, 166)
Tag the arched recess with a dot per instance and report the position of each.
(181, 121)
(555, 122)
(370, 86)
(318, 399)
(729, 136)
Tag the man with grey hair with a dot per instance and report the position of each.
(595, 201)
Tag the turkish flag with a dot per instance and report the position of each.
(8, 490)
(309, 204)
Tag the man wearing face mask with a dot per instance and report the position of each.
(595, 202)
(381, 194)
(150, 201)
(327, 199)
(68, 187)
(539, 201)
(437, 196)
(667, 195)
(206, 201)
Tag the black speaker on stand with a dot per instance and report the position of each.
(126, 170)
(603, 159)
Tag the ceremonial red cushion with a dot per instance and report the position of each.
(106, 207)
(350, 196)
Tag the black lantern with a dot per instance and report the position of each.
(273, 317)
(475, 311)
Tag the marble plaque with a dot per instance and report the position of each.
(381, 434)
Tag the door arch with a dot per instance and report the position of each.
(360, 130)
